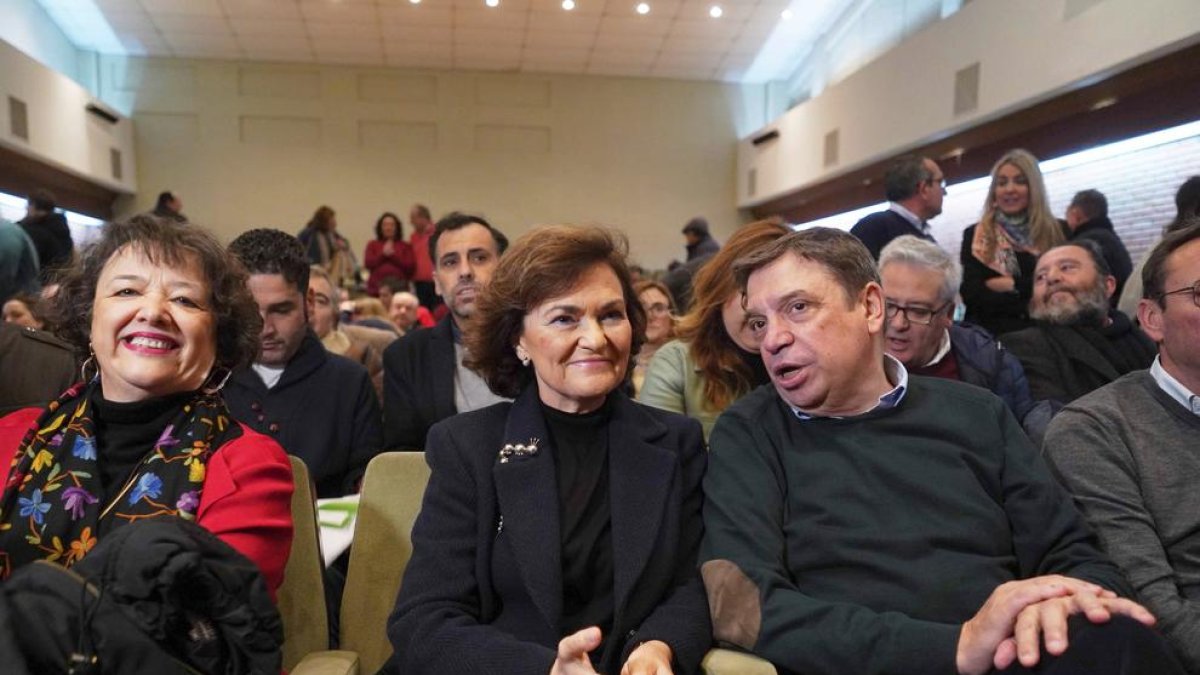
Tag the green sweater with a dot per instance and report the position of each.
(1131, 455)
(861, 545)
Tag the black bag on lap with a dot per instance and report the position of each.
(161, 596)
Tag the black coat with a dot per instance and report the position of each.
(997, 312)
(323, 410)
(51, 238)
(1100, 230)
(418, 385)
(877, 229)
(483, 590)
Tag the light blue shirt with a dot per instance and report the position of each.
(911, 217)
(1174, 388)
(895, 371)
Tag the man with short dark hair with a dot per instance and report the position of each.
(425, 378)
(915, 187)
(319, 406)
(858, 520)
(169, 207)
(47, 229)
(1087, 218)
(1128, 450)
(920, 284)
(1077, 343)
(701, 247)
(422, 278)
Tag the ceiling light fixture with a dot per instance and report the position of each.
(786, 15)
(715, 11)
(568, 5)
(642, 8)
(415, 2)
(492, 3)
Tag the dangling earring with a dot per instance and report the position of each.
(211, 389)
(522, 355)
(89, 361)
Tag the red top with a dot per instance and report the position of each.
(420, 247)
(399, 263)
(946, 369)
(247, 497)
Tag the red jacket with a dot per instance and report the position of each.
(246, 500)
(399, 264)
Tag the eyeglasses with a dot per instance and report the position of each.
(657, 309)
(921, 315)
(938, 183)
(1194, 289)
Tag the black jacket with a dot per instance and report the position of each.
(483, 590)
(35, 367)
(418, 385)
(323, 410)
(52, 239)
(877, 229)
(149, 598)
(1100, 230)
(997, 312)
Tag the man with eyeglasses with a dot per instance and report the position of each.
(1128, 451)
(915, 187)
(1077, 343)
(920, 284)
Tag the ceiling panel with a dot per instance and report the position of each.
(207, 25)
(255, 26)
(191, 7)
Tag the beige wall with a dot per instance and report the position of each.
(250, 145)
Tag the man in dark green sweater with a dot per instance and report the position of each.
(859, 521)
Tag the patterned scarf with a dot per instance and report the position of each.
(51, 508)
(1005, 236)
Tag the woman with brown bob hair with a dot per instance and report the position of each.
(559, 532)
(656, 301)
(714, 359)
(161, 314)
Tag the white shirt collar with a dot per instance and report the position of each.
(943, 349)
(896, 373)
(1174, 388)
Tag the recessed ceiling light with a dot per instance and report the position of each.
(415, 2)
(568, 5)
(786, 15)
(642, 8)
(492, 3)
(715, 11)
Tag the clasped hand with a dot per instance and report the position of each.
(1019, 614)
(650, 658)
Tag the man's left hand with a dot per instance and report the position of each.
(650, 658)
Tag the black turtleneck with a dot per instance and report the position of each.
(585, 517)
(126, 432)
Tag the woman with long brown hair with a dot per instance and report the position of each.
(714, 359)
(1000, 252)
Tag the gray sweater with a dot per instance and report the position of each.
(1131, 456)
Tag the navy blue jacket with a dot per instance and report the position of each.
(877, 229)
(984, 362)
(483, 590)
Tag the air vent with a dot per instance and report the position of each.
(751, 182)
(831, 148)
(18, 118)
(114, 156)
(966, 89)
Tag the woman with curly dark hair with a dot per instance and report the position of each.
(162, 315)
(388, 256)
(559, 532)
(714, 359)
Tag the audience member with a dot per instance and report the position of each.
(656, 302)
(714, 359)
(389, 286)
(323, 319)
(403, 312)
(861, 521)
(425, 378)
(47, 229)
(573, 550)
(920, 284)
(701, 247)
(422, 276)
(169, 207)
(1077, 343)
(319, 406)
(35, 367)
(1128, 451)
(24, 309)
(388, 255)
(327, 248)
(1187, 206)
(163, 314)
(1000, 251)
(371, 312)
(18, 261)
(1087, 218)
(914, 187)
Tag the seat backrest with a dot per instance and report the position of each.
(391, 498)
(301, 598)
